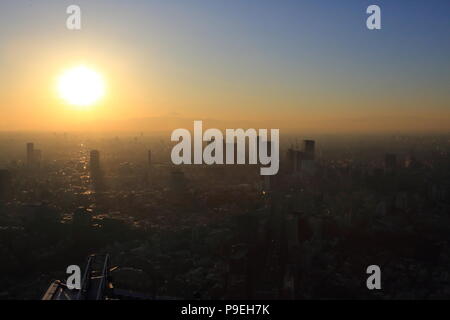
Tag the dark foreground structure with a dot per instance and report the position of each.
(96, 284)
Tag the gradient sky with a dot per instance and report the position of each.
(294, 65)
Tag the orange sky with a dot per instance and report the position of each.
(162, 75)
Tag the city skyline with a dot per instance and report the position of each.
(211, 152)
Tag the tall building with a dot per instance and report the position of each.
(309, 149)
(95, 170)
(94, 161)
(294, 159)
(30, 154)
(301, 161)
(307, 159)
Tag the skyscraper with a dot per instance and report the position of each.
(94, 161)
(295, 158)
(308, 156)
(309, 149)
(30, 154)
(95, 170)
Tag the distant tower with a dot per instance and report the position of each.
(94, 161)
(307, 157)
(96, 173)
(295, 158)
(309, 149)
(30, 154)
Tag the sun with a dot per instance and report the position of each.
(81, 86)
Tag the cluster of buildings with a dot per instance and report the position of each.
(226, 231)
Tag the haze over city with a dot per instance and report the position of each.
(224, 150)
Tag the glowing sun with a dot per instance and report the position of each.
(81, 86)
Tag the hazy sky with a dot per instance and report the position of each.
(303, 65)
